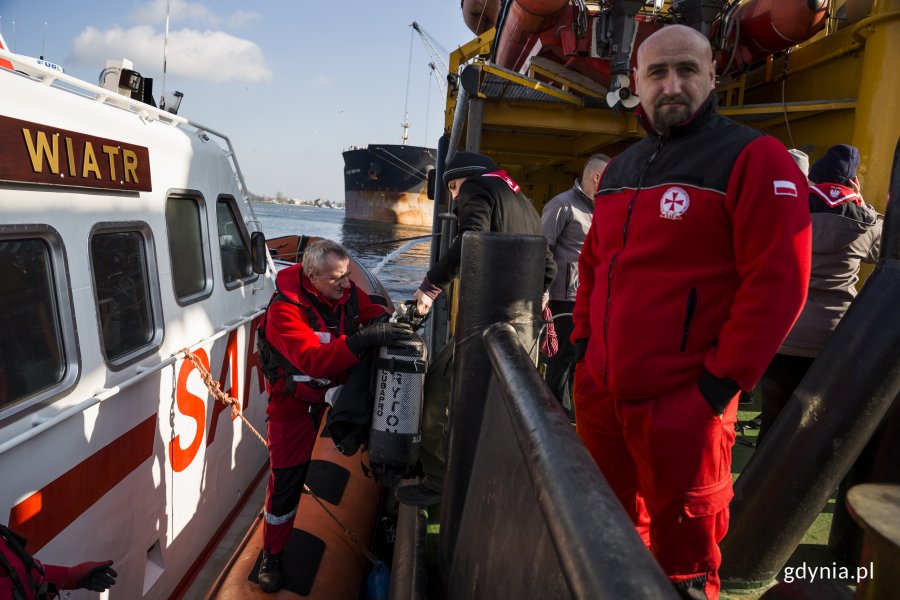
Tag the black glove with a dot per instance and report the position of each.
(580, 349)
(717, 392)
(382, 318)
(378, 334)
(94, 576)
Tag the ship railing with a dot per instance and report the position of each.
(41, 423)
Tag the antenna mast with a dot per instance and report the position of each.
(162, 94)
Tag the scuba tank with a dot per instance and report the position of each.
(395, 436)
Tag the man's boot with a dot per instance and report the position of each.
(270, 572)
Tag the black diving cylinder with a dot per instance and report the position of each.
(396, 433)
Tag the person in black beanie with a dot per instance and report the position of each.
(846, 231)
(486, 199)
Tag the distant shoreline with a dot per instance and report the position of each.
(318, 202)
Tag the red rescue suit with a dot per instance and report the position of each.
(694, 270)
(25, 577)
(310, 332)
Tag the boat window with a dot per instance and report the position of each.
(32, 355)
(186, 248)
(236, 265)
(121, 282)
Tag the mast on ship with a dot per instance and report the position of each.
(405, 124)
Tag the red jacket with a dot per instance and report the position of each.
(29, 579)
(697, 259)
(288, 329)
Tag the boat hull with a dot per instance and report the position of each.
(122, 455)
(402, 208)
(388, 183)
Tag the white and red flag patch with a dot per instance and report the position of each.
(783, 187)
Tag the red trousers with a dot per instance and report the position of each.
(290, 445)
(668, 459)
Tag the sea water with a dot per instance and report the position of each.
(400, 265)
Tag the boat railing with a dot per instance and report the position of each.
(31, 67)
(41, 423)
(231, 155)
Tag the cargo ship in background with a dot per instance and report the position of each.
(388, 183)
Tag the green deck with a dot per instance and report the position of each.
(813, 550)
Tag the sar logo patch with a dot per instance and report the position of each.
(674, 203)
(784, 188)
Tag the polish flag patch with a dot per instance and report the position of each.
(784, 188)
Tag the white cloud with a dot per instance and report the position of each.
(239, 18)
(320, 80)
(213, 56)
(182, 11)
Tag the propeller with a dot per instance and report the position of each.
(619, 92)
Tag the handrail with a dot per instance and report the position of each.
(27, 65)
(599, 552)
(232, 156)
(143, 373)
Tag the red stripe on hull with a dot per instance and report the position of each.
(47, 512)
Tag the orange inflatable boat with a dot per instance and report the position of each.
(320, 560)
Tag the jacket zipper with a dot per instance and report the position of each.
(688, 317)
(612, 261)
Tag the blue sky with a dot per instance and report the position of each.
(293, 83)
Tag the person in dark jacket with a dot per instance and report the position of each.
(23, 577)
(694, 270)
(317, 326)
(846, 232)
(565, 222)
(487, 199)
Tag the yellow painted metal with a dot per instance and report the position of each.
(842, 86)
(766, 109)
(566, 84)
(523, 81)
(876, 126)
(480, 46)
(535, 116)
(732, 93)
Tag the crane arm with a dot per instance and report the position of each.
(437, 59)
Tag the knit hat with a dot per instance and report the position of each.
(801, 158)
(465, 164)
(837, 166)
